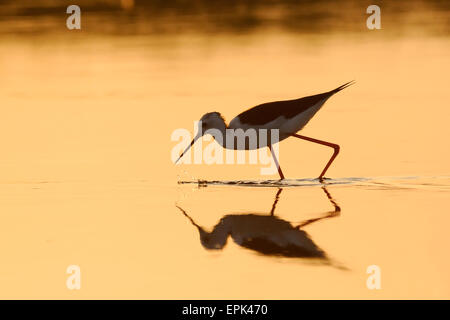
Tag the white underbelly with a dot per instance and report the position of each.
(297, 123)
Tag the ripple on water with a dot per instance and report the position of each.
(409, 182)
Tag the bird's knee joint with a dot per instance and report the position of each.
(337, 148)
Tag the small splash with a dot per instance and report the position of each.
(440, 183)
(275, 183)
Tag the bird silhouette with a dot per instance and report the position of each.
(266, 234)
(286, 117)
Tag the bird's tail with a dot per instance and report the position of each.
(345, 85)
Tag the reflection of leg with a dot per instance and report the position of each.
(329, 214)
(276, 163)
(277, 197)
(337, 209)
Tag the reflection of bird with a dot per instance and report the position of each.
(268, 235)
(288, 116)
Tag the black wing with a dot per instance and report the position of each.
(266, 112)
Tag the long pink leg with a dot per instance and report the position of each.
(329, 144)
(276, 162)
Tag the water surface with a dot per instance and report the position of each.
(86, 176)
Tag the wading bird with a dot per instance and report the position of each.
(288, 117)
(266, 234)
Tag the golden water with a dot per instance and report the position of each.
(86, 176)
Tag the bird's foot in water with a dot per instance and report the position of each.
(202, 183)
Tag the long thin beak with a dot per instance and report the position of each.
(192, 143)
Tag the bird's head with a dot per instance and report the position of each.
(210, 120)
(212, 240)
